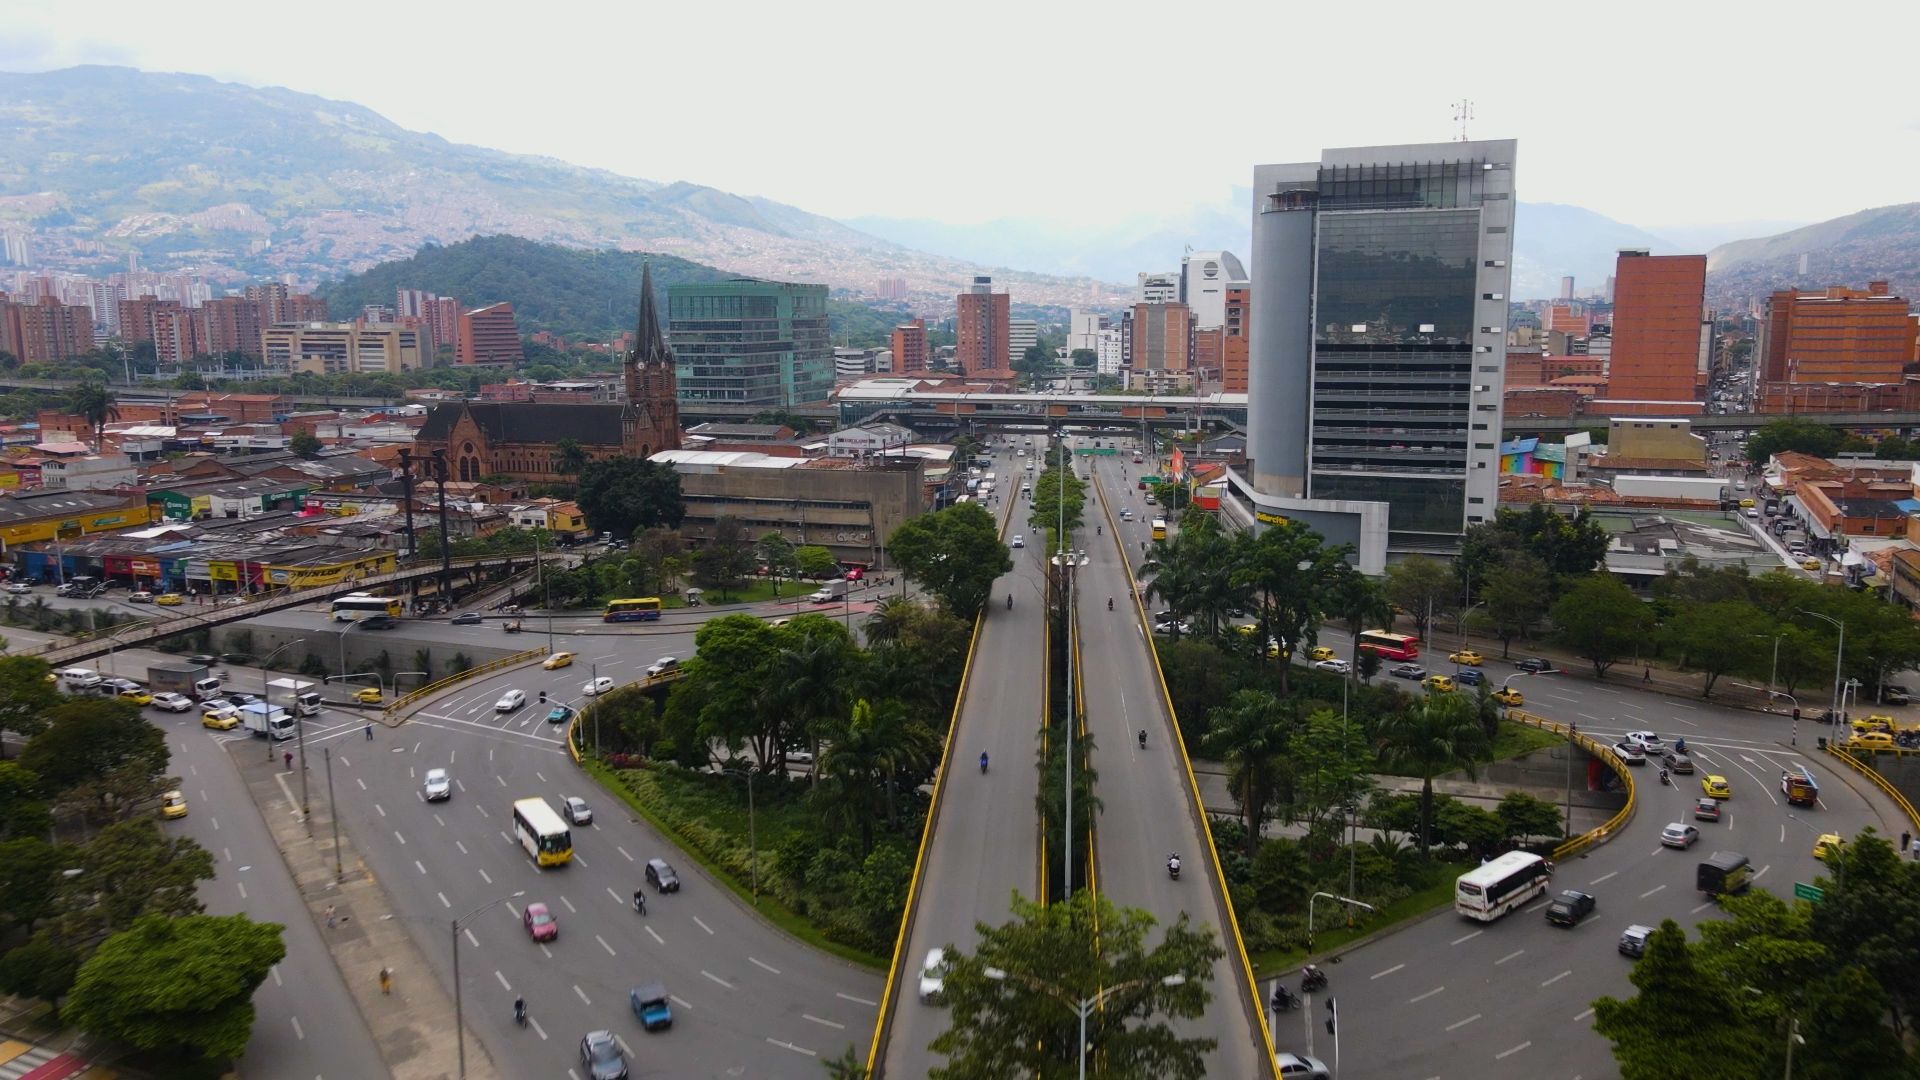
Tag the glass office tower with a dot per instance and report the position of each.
(750, 342)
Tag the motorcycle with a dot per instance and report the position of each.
(1664, 778)
(1143, 738)
(520, 1011)
(640, 901)
(1109, 603)
(983, 764)
(1173, 867)
(1312, 979)
(1009, 601)
(1284, 1000)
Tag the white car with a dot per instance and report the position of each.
(1019, 540)
(172, 702)
(597, 686)
(1300, 1067)
(576, 811)
(1630, 754)
(1338, 667)
(19, 587)
(510, 701)
(438, 785)
(219, 708)
(662, 666)
(933, 975)
(141, 597)
(1645, 740)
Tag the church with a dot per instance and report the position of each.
(521, 439)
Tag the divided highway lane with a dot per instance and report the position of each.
(985, 843)
(1512, 999)
(306, 1023)
(1146, 799)
(748, 1000)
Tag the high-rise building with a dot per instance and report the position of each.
(489, 335)
(45, 331)
(1205, 277)
(1567, 318)
(412, 301)
(751, 342)
(1083, 331)
(1379, 296)
(891, 288)
(343, 348)
(980, 329)
(1112, 350)
(1233, 350)
(1158, 337)
(1839, 335)
(446, 323)
(176, 334)
(1657, 348)
(271, 298)
(1157, 288)
(910, 347)
(1022, 334)
(1566, 288)
(230, 324)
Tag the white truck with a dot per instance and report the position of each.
(831, 591)
(269, 720)
(295, 694)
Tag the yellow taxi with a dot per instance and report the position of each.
(1716, 787)
(1438, 684)
(1875, 722)
(1747, 504)
(136, 695)
(1871, 740)
(1466, 658)
(1809, 564)
(558, 660)
(1321, 652)
(1829, 845)
(367, 695)
(173, 805)
(220, 721)
(1508, 696)
(168, 599)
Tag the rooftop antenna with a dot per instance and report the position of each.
(1462, 112)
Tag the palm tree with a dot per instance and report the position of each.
(93, 402)
(889, 619)
(570, 456)
(806, 688)
(1193, 573)
(861, 766)
(1250, 732)
(1439, 734)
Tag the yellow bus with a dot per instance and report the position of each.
(356, 606)
(542, 833)
(641, 609)
(1159, 528)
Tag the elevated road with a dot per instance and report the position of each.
(1149, 806)
(984, 841)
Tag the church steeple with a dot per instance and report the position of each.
(652, 392)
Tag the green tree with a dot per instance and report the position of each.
(93, 402)
(1715, 638)
(1437, 734)
(1196, 572)
(1601, 621)
(621, 495)
(1011, 998)
(1790, 434)
(862, 767)
(956, 554)
(23, 810)
(304, 444)
(1288, 569)
(40, 968)
(1527, 818)
(1567, 545)
(1677, 1024)
(776, 553)
(29, 876)
(725, 560)
(88, 741)
(177, 983)
(26, 697)
(1250, 733)
(1055, 490)
(1358, 599)
(1331, 767)
(1516, 595)
(128, 870)
(1423, 588)
(815, 561)
(1872, 921)
(570, 456)
(718, 695)
(812, 675)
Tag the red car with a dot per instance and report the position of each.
(541, 925)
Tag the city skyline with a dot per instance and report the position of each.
(1641, 123)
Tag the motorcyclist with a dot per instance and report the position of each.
(1109, 603)
(640, 901)
(1679, 746)
(1099, 530)
(983, 761)
(1143, 738)
(1664, 778)
(519, 1010)
(1173, 865)
(1009, 601)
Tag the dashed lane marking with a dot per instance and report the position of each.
(762, 965)
(1389, 971)
(1425, 996)
(1603, 877)
(823, 1023)
(716, 978)
(1463, 1023)
(1582, 1015)
(1556, 978)
(792, 1047)
(857, 1000)
(1651, 891)
(1467, 937)
(1509, 956)
(1510, 1051)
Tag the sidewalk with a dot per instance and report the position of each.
(414, 1025)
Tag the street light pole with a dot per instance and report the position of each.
(264, 665)
(1331, 896)
(459, 1027)
(1839, 651)
(1080, 1007)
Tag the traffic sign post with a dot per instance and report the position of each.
(1810, 893)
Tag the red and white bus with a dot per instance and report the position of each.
(1390, 646)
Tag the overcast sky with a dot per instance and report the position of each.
(1664, 113)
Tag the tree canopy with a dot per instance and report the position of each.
(623, 495)
(178, 983)
(956, 554)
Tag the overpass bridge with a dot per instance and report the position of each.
(1716, 422)
(152, 630)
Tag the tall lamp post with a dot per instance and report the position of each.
(459, 1027)
(1081, 1007)
(1839, 652)
(264, 665)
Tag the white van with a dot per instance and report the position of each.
(206, 688)
(79, 678)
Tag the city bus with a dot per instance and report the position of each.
(542, 833)
(356, 606)
(1389, 646)
(642, 609)
(1159, 528)
(1798, 785)
(1492, 889)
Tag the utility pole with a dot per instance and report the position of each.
(446, 558)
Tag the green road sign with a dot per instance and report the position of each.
(1804, 891)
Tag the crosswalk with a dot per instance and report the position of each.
(24, 1061)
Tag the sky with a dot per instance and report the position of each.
(1655, 114)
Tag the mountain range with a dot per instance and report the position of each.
(237, 183)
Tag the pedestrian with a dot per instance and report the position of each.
(369, 732)
(386, 980)
(1906, 838)
(1647, 675)
(289, 758)
(330, 917)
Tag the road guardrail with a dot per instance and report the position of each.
(457, 678)
(1606, 830)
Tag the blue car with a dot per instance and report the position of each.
(650, 1006)
(559, 714)
(1469, 677)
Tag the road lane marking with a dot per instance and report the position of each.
(417, 866)
(538, 1030)
(444, 902)
(461, 846)
(763, 965)
(1582, 1016)
(1603, 877)
(1512, 1050)
(1463, 1023)
(537, 772)
(484, 877)
(471, 940)
(504, 984)
(584, 1000)
(243, 889)
(277, 981)
(680, 1001)
(1389, 971)
(857, 1001)
(1589, 716)
(563, 899)
(1556, 978)
(823, 1023)
(1651, 891)
(703, 925)
(790, 1046)
(604, 945)
(362, 783)
(1425, 996)
(1468, 937)
(382, 810)
(716, 978)
(1509, 956)
(298, 1032)
(1762, 872)
(1538, 906)
(617, 898)
(622, 851)
(657, 939)
(1698, 908)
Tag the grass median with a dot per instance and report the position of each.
(1431, 897)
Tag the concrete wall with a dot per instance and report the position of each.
(851, 512)
(362, 648)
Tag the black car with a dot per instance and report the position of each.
(1533, 663)
(661, 876)
(601, 1056)
(203, 659)
(1570, 907)
(469, 618)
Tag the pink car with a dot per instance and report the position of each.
(541, 925)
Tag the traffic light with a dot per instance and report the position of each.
(543, 697)
(1796, 712)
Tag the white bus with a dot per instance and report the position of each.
(1495, 888)
(356, 606)
(542, 833)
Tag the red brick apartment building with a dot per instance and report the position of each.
(910, 347)
(489, 335)
(1830, 350)
(1658, 350)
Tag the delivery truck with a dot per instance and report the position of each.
(269, 720)
(176, 678)
(831, 591)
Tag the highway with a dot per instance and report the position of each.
(985, 842)
(1146, 798)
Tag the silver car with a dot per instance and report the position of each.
(438, 785)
